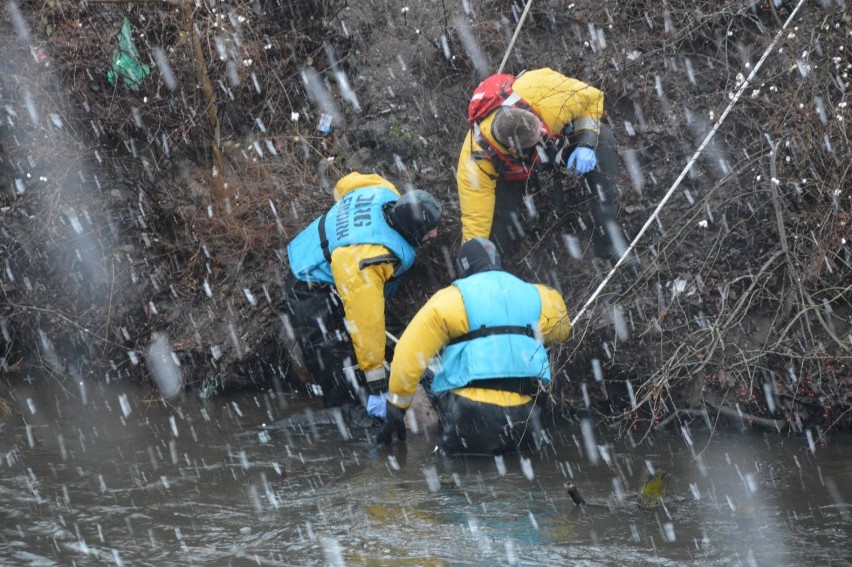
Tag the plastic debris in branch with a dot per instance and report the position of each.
(125, 61)
(318, 93)
(324, 125)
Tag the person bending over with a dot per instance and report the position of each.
(490, 330)
(518, 123)
(343, 267)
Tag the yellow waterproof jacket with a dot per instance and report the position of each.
(559, 101)
(444, 318)
(362, 288)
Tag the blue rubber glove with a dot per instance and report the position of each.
(377, 405)
(582, 160)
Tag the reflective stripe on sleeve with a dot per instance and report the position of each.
(400, 401)
(586, 123)
(375, 375)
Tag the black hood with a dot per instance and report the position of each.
(477, 255)
(413, 215)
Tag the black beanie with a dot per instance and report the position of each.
(413, 215)
(477, 255)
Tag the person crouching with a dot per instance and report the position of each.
(344, 265)
(490, 329)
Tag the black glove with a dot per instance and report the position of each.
(394, 423)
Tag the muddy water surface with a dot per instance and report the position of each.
(100, 475)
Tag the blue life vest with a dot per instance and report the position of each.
(503, 315)
(357, 218)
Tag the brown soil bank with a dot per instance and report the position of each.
(144, 222)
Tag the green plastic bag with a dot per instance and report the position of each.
(125, 61)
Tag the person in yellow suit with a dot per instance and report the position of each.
(540, 116)
(486, 337)
(343, 267)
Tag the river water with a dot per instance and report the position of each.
(101, 474)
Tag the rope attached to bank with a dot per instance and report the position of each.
(515, 35)
(689, 164)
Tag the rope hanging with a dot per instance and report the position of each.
(690, 163)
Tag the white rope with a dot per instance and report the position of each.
(515, 35)
(689, 164)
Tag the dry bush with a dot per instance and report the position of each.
(743, 297)
(756, 234)
(157, 233)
